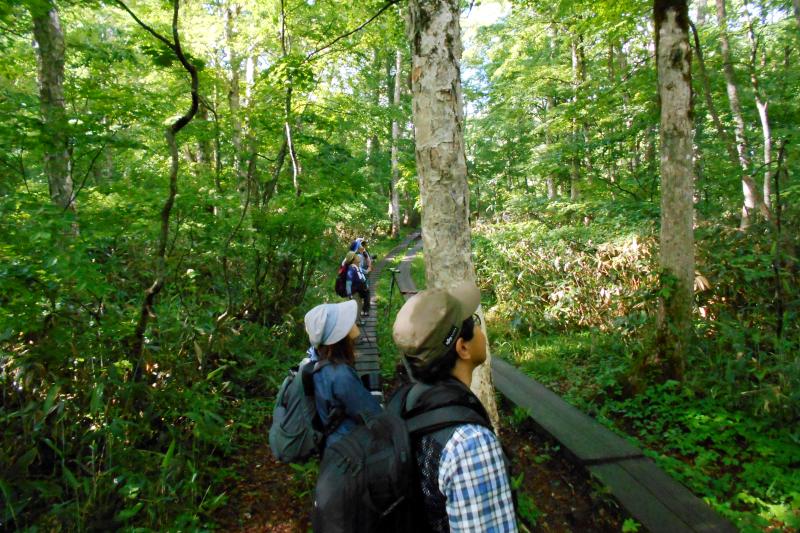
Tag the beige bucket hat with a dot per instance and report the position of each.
(428, 324)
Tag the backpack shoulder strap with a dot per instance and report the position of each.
(442, 417)
(307, 372)
(336, 416)
(397, 403)
(434, 407)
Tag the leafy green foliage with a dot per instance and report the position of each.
(526, 505)
(94, 437)
(727, 432)
(734, 460)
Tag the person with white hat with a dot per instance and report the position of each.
(338, 391)
(463, 472)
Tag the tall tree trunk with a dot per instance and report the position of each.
(435, 36)
(574, 167)
(50, 54)
(234, 100)
(552, 191)
(752, 195)
(762, 104)
(204, 144)
(585, 154)
(707, 94)
(674, 64)
(287, 128)
(394, 202)
(700, 13)
(612, 79)
(633, 160)
(217, 145)
(103, 167)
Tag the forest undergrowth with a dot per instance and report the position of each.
(95, 437)
(573, 305)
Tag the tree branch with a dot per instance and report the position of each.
(151, 292)
(386, 6)
(88, 171)
(150, 30)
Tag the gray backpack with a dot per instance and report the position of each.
(297, 433)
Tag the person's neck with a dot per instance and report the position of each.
(463, 372)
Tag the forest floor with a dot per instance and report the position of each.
(555, 495)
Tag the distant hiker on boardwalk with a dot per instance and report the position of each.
(463, 475)
(338, 392)
(360, 247)
(356, 282)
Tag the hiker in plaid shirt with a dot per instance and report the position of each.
(463, 472)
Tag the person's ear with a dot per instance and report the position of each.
(462, 350)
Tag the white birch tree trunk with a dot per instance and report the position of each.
(394, 202)
(234, 100)
(762, 104)
(552, 191)
(50, 51)
(435, 34)
(674, 62)
(574, 167)
(752, 195)
(700, 11)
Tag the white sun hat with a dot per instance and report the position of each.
(329, 323)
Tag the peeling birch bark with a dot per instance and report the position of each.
(438, 110)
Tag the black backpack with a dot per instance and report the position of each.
(368, 480)
(341, 281)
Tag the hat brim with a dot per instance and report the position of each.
(346, 314)
(468, 296)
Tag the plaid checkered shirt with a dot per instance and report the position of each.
(474, 481)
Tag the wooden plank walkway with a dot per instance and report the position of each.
(404, 281)
(584, 439)
(651, 496)
(368, 365)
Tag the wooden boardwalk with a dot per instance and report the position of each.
(368, 365)
(651, 496)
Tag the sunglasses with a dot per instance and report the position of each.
(476, 319)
